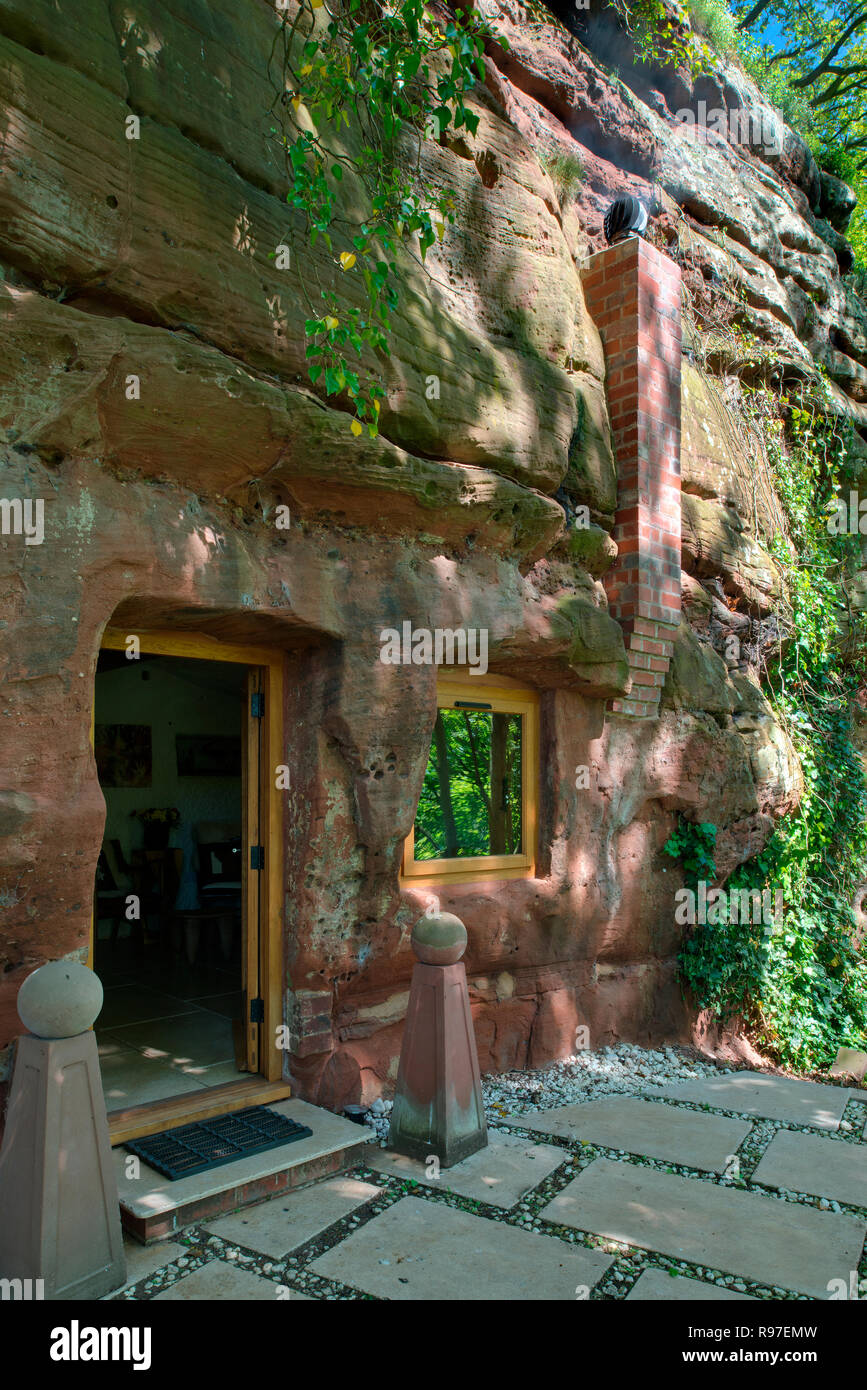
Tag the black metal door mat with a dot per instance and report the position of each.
(190, 1149)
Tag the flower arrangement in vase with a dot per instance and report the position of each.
(157, 824)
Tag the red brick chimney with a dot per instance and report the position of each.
(632, 292)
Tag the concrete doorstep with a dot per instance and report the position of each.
(154, 1207)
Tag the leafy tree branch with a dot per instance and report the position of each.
(360, 86)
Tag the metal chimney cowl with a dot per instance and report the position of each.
(626, 217)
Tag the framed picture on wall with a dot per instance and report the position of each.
(123, 754)
(208, 755)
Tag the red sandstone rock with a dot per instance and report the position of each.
(162, 515)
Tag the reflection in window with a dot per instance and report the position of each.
(471, 800)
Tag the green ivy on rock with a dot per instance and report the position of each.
(802, 984)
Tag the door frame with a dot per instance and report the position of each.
(160, 642)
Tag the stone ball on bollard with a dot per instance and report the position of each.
(60, 1000)
(439, 938)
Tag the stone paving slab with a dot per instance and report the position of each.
(822, 1167)
(142, 1260)
(773, 1097)
(745, 1233)
(426, 1250)
(656, 1286)
(499, 1174)
(282, 1224)
(850, 1062)
(642, 1127)
(221, 1280)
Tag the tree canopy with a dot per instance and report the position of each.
(819, 50)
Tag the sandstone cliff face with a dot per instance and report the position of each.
(152, 257)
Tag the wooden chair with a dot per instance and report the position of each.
(157, 874)
(218, 852)
(114, 883)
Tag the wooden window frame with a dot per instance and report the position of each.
(504, 696)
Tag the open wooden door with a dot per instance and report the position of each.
(257, 1052)
(248, 1034)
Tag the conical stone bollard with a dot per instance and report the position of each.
(59, 1214)
(438, 1108)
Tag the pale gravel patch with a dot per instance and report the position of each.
(610, 1071)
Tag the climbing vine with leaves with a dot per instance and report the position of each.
(663, 37)
(802, 986)
(360, 85)
(659, 36)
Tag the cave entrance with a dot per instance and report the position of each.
(186, 925)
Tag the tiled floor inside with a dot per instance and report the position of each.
(166, 1026)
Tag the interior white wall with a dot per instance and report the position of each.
(172, 702)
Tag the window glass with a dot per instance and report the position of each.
(471, 800)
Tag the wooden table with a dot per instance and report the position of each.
(192, 921)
